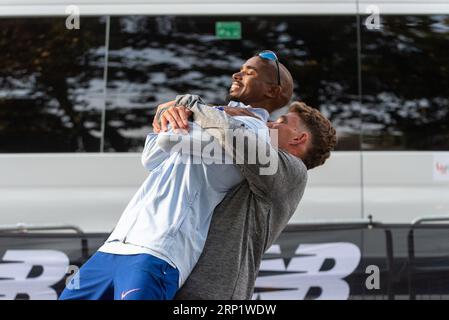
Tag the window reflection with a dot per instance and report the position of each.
(405, 84)
(152, 59)
(50, 85)
(51, 78)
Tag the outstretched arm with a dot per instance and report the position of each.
(196, 142)
(288, 179)
(258, 160)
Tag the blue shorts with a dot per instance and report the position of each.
(108, 276)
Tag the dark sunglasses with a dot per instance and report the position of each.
(270, 55)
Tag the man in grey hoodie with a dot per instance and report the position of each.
(253, 214)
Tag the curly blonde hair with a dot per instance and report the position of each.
(324, 137)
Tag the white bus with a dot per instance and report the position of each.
(77, 98)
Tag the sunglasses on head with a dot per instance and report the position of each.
(270, 55)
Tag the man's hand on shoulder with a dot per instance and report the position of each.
(168, 113)
(177, 116)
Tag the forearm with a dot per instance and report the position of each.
(198, 144)
(249, 148)
(152, 155)
(205, 116)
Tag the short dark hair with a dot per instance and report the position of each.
(324, 136)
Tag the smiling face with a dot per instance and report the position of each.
(293, 135)
(255, 83)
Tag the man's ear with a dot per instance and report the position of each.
(300, 138)
(273, 92)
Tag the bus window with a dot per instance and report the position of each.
(406, 117)
(51, 85)
(152, 59)
(406, 84)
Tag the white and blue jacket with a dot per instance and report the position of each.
(170, 214)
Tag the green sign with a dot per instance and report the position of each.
(228, 30)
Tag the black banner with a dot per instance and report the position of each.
(331, 262)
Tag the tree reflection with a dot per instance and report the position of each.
(51, 78)
(405, 84)
(154, 59)
(46, 74)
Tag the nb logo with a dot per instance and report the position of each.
(306, 271)
(17, 278)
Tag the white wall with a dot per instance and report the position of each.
(91, 190)
(203, 7)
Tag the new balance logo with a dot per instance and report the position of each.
(296, 278)
(17, 278)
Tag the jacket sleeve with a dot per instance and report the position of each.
(292, 184)
(256, 157)
(152, 154)
(198, 144)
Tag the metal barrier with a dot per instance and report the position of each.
(399, 269)
(413, 269)
(23, 228)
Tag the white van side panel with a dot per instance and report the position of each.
(211, 7)
(91, 190)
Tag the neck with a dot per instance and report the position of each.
(264, 104)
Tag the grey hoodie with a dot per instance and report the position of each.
(249, 219)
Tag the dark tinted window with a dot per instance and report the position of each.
(51, 85)
(152, 59)
(405, 74)
(51, 78)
